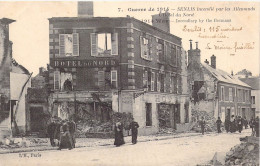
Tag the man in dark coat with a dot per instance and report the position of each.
(51, 131)
(227, 124)
(202, 125)
(239, 124)
(219, 124)
(72, 130)
(245, 122)
(119, 137)
(134, 129)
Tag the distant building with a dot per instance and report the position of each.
(215, 91)
(41, 79)
(14, 81)
(129, 65)
(254, 82)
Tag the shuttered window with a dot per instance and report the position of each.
(145, 80)
(75, 44)
(94, 46)
(69, 44)
(62, 45)
(56, 80)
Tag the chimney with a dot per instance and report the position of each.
(206, 61)
(213, 61)
(190, 44)
(197, 45)
(162, 21)
(85, 9)
(232, 72)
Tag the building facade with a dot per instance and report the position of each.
(14, 81)
(254, 82)
(215, 91)
(129, 65)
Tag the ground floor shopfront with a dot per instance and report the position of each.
(156, 110)
(150, 110)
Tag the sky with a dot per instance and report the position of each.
(30, 32)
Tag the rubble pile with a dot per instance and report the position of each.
(9, 143)
(247, 153)
(89, 125)
(166, 130)
(210, 121)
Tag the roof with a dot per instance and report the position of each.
(224, 76)
(100, 18)
(6, 21)
(15, 64)
(254, 82)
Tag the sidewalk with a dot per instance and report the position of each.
(92, 142)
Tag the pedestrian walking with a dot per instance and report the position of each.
(256, 126)
(219, 124)
(72, 130)
(65, 137)
(233, 124)
(202, 125)
(227, 124)
(134, 129)
(51, 131)
(245, 122)
(252, 123)
(239, 124)
(119, 137)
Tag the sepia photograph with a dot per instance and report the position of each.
(129, 83)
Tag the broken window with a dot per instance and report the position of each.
(114, 78)
(56, 80)
(158, 82)
(145, 44)
(69, 44)
(104, 44)
(152, 81)
(145, 80)
(161, 50)
(174, 55)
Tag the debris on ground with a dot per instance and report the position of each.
(246, 153)
(9, 143)
(210, 126)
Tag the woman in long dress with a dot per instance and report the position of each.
(119, 137)
(65, 138)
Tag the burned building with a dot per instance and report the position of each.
(14, 81)
(129, 65)
(215, 91)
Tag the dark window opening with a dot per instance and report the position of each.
(148, 107)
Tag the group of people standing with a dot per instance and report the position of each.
(63, 131)
(119, 136)
(234, 124)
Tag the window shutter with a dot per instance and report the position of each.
(75, 44)
(141, 46)
(101, 79)
(114, 44)
(94, 46)
(56, 80)
(62, 45)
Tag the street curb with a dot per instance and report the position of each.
(104, 144)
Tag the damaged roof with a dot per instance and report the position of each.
(224, 76)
